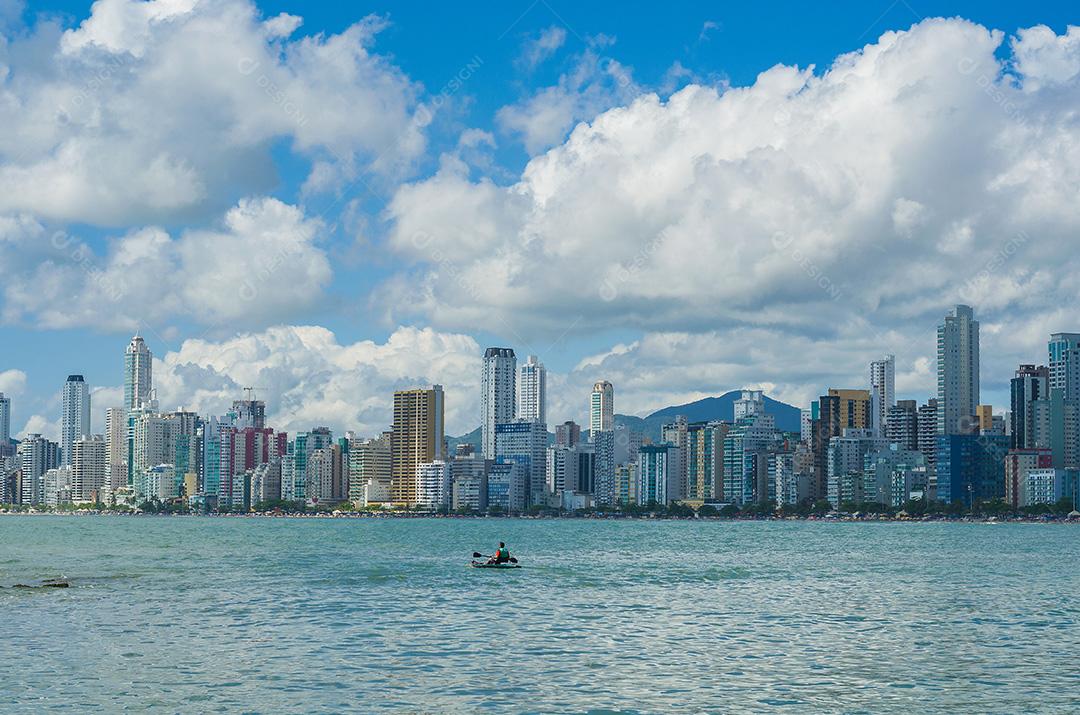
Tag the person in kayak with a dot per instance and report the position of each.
(502, 555)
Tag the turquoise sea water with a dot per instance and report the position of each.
(321, 615)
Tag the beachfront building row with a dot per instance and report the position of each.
(855, 445)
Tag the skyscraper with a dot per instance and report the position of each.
(902, 424)
(882, 390)
(5, 423)
(37, 455)
(89, 467)
(601, 409)
(567, 434)
(1031, 383)
(116, 449)
(416, 438)
(957, 371)
(370, 471)
(497, 394)
(138, 367)
(1064, 367)
(532, 391)
(524, 443)
(75, 418)
(926, 423)
(840, 409)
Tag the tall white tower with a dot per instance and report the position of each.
(138, 377)
(532, 391)
(75, 418)
(601, 408)
(497, 386)
(116, 446)
(882, 390)
(957, 370)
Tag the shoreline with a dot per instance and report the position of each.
(560, 517)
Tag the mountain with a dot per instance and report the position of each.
(472, 438)
(788, 417)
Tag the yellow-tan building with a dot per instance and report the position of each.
(416, 438)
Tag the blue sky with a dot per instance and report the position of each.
(514, 61)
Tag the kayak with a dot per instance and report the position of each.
(482, 565)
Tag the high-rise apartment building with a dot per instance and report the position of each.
(524, 443)
(5, 424)
(497, 394)
(532, 391)
(882, 390)
(658, 470)
(1030, 383)
(89, 467)
(370, 473)
(971, 468)
(601, 407)
(958, 371)
(416, 438)
(567, 434)
(845, 461)
(902, 424)
(116, 447)
(838, 410)
(1064, 365)
(433, 485)
(75, 417)
(704, 458)
(747, 448)
(138, 373)
(604, 467)
(36, 455)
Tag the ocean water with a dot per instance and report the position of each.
(320, 615)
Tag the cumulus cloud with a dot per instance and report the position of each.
(40, 424)
(168, 109)
(12, 382)
(309, 378)
(595, 83)
(261, 264)
(875, 193)
(1046, 58)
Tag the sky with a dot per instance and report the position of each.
(332, 202)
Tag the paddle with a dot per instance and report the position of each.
(478, 555)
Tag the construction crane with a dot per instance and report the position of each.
(251, 392)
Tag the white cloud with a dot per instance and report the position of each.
(12, 382)
(540, 48)
(876, 194)
(1045, 58)
(707, 28)
(39, 424)
(261, 265)
(167, 109)
(309, 378)
(594, 84)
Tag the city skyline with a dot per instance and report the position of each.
(853, 445)
(878, 381)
